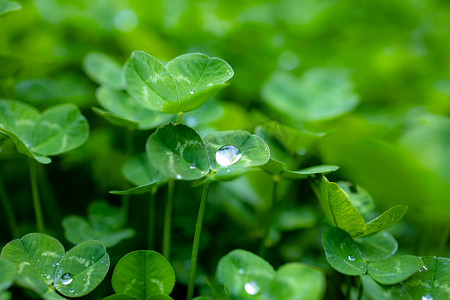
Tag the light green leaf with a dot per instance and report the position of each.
(394, 269)
(320, 94)
(5, 295)
(7, 7)
(297, 281)
(386, 220)
(105, 225)
(177, 151)
(138, 190)
(245, 274)
(376, 291)
(139, 171)
(120, 297)
(234, 152)
(342, 252)
(184, 84)
(7, 274)
(304, 173)
(296, 217)
(378, 246)
(160, 297)
(123, 111)
(360, 199)
(142, 274)
(274, 166)
(103, 69)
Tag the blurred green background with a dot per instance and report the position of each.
(362, 84)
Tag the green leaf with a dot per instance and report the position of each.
(11, 65)
(234, 152)
(142, 274)
(123, 111)
(138, 190)
(103, 69)
(394, 269)
(82, 269)
(320, 94)
(386, 220)
(378, 246)
(360, 199)
(160, 297)
(296, 217)
(338, 207)
(342, 252)
(304, 173)
(297, 281)
(274, 166)
(105, 225)
(5, 295)
(177, 151)
(120, 297)
(57, 130)
(139, 171)
(244, 274)
(7, 274)
(7, 7)
(184, 84)
(389, 292)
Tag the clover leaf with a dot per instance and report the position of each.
(43, 266)
(104, 70)
(56, 130)
(7, 7)
(181, 85)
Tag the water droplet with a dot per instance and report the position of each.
(202, 172)
(66, 279)
(48, 277)
(102, 261)
(427, 297)
(71, 290)
(425, 268)
(252, 287)
(57, 264)
(228, 155)
(191, 91)
(240, 271)
(209, 84)
(178, 176)
(228, 171)
(351, 258)
(384, 234)
(192, 166)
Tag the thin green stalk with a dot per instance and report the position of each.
(151, 219)
(9, 212)
(168, 219)
(196, 243)
(35, 193)
(179, 116)
(272, 209)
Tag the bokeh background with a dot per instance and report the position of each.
(361, 84)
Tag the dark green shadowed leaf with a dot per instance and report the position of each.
(7, 274)
(104, 224)
(386, 220)
(342, 252)
(35, 257)
(304, 173)
(142, 274)
(184, 84)
(160, 297)
(7, 7)
(123, 111)
(394, 269)
(274, 166)
(376, 291)
(244, 274)
(378, 246)
(177, 151)
(82, 269)
(103, 69)
(234, 152)
(297, 281)
(120, 297)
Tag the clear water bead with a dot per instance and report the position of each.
(192, 166)
(252, 287)
(228, 155)
(66, 279)
(178, 176)
(351, 258)
(427, 297)
(191, 91)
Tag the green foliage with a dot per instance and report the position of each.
(7, 7)
(56, 130)
(394, 269)
(103, 69)
(43, 266)
(104, 223)
(7, 274)
(142, 274)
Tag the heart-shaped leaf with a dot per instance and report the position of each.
(248, 276)
(378, 246)
(105, 225)
(7, 7)
(43, 266)
(7, 274)
(386, 220)
(177, 151)
(342, 252)
(304, 173)
(234, 152)
(121, 110)
(395, 268)
(57, 130)
(103, 69)
(182, 85)
(142, 274)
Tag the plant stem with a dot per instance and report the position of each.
(35, 193)
(196, 243)
(125, 205)
(151, 219)
(271, 216)
(168, 220)
(9, 212)
(179, 116)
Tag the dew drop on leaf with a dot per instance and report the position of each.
(351, 258)
(192, 166)
(71, 290)
(427, 297)
(178, 176)
(252, 287)
(228, 155)
(191, 91)
(66, 279)
(240, 271)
